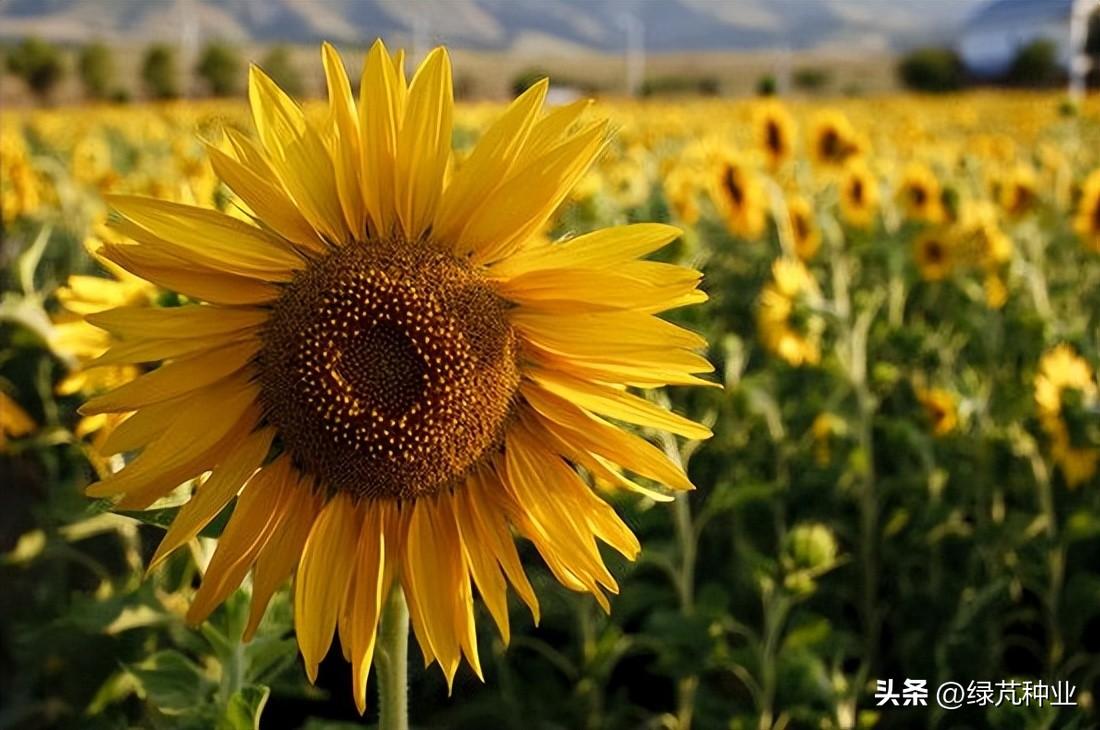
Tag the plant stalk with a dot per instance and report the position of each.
(393, 663)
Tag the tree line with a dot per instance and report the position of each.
(42, 66)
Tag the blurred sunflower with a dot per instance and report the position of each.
(804, 231)
(980, 238)
(941, 409)
(1018, 190)
(833, 141)
(389, 368)
(739, 197)
(1065, 393)
(934, 255)
(920, 195)
(788, 326)
(775, 131)
(1087, 222)
(14, 421)
(859, 195)
(681, 193)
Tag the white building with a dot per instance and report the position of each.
(995, 32)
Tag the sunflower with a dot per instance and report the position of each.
(858, 195)
(1087, 222)
(934, 254)
(1064, 392)
(788, 326)
(388, 370)
(804, 230)
(833, 141)
(775, 130)
(920, 195)
(14, 421)
(941, 408)
(980, 238)
(1019, 190)
(681, 192)
(739, 197)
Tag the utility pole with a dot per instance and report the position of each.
(634, 52)
(1079, 61)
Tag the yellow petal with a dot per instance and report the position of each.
(190, 279)
(617, 404)
(424, 144)
(344, 143)
(603, 249)
(324, 574)
(191, 320)
(227, 479)
(260, 511)
(370, 590)
(210, 237)
(280, 556)
(175, 378)
(381, 109)
(488, 164)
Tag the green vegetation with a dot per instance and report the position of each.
(932, 70)
(220, 67)
(1035, 65)
(96, 67)
(160, 72)
(279, 65)
(38, 63)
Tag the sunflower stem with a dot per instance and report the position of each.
(393, 664)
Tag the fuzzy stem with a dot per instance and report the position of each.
(393, 664)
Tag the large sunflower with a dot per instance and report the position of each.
(389, 368)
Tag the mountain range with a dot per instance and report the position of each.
(505, 25)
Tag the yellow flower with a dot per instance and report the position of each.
(785, 319)
(980, 238)
(1019, 190)
(14, 421)
(824, 429)
(833, 141)
(934, 254)
(941, 408)
(859, 195)
(681, 192)
(393, 372)
(1064, 375)
(739, 197)
(775, 131)
(804, 230)
(920, 194)
(1087, 222)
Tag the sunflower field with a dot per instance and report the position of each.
(895, 459)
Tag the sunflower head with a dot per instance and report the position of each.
(859, 194)
(1019, 190)
(940, 409)
(739, 197)
(919, 194)
(389, 367)
(775, 132)
(833, 140)
(934, 254)
(804, 231)
(1087, 221)
(1067, 400)
(786, 315)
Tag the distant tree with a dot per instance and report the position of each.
(1092, 45)
(767, 86)
(524, 80)
(160, 73)
(279, 65)
(810, 78)
(934, 70)
(38, 64)
(1035, 64)
(96, 66)
(220, 67)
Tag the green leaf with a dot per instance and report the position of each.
(172, 682)
(164, 517)
(244, 708)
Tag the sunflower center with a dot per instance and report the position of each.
(388, 369)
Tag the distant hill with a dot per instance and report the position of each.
(669, 25)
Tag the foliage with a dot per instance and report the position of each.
(220, 67)
(681, 85)
(767, 86)
(932, 70)
(1035, 64)
(38, 63)
(524, 80)
(810, 78)
(160, 72)
(96, 66)
(278, 63)
(893, 505)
